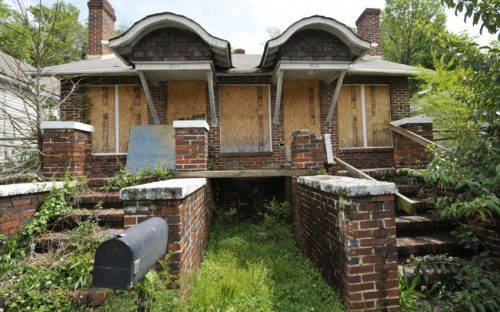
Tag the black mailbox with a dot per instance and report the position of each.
(122, 261)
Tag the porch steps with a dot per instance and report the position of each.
(93, 199)
(429, 244)
(422, 225)
(56, 240)
(111, 218)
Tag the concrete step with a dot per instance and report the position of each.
(96, 183)
(108, 200)
(112, 218)
(422, 225)
(53, 241)
(429, 244)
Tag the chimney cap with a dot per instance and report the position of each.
(369, 11)
(239, 51)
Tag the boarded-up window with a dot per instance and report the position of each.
(245, 120)
(378, 115)
(186, 100)
(350, 117)
(102, 117)
(364, 115)
(301, 109)
(132, 110)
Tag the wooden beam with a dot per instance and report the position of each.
(404, 203)
(335, 97)
(279, 88)
(353, 170)
(152, 109)
(211, 95)
(243, 173)
(418, 139)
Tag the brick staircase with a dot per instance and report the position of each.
(424, 232)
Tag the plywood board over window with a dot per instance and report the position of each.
(350, 118)
(378, 115)
(133, 111)
(102, 117)
(245, 119)
(301, 109)
(186, 100)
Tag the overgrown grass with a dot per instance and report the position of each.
(250, 265)
(257, 267)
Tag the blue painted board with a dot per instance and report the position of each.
(151, 146)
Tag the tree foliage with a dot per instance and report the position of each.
(484, 11)
(472, 74)
(407, 29)
(24, 29)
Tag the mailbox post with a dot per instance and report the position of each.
(121, 262)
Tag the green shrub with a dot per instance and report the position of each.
(125, 178)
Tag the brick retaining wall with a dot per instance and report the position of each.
(347, 228)
(189, 218)
(19, 203)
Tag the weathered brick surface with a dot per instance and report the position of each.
(15, 211)
(368, 26)
(247, 195)
(101, 26)
(105, 165)
(307, 150)
(408, 153)
(171, 44)
(314, 45)
(489, 234)
(189, 222)
(65, 150)
(353, 242)
(191, 149)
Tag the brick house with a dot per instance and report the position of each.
(318, 75)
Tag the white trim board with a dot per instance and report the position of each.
(74, 125)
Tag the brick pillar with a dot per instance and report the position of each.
(408, 153)
(102, 20)
(186, 205)
(307, 151)
(191, 145)
(347, 227)
(368, 25)
(66, 148)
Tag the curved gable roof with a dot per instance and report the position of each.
(124, 43)
(357, 46)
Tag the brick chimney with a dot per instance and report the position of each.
(101, 26)
(368, 24)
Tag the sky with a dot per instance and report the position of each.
(244, 22)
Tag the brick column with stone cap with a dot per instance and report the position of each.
(66, 148)
(186, 205)
(307, 151)
(191, 145)
(347, 227)
(408, 153)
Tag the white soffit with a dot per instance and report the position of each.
(356, 45)
(123, 44)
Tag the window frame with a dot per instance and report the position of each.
(363, 115)
(116, 115)
(269, 117)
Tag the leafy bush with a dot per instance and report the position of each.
(279, 211)
(473, 285)
(125, 178)
(45, 282)
(469, 75)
